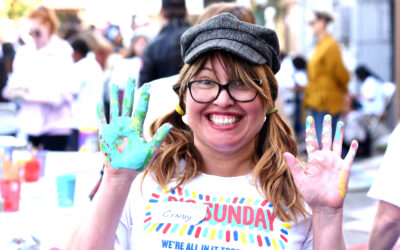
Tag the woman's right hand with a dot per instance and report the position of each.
(121, 140)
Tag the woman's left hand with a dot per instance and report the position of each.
(323, 181)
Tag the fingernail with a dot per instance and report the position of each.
(328, 118)
(146, 88)
(167, 127)
(355, 145)
(309, 121)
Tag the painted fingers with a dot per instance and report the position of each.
(160, 135)
(311, 138)
(338, 139)
(326, 136)
(351, 154)
(127, 103)
(141, 109)
(100, 114)
(114, 103)
(345, 170)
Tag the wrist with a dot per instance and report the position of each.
(119, 177)
(327, 229)
(327, 211)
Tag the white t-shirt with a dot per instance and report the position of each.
(373, 96)
(209, 212)
(386, 184)
(45, 74)
(162, 101)
(88, 79)
(125, 69)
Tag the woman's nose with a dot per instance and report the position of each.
(224, 99)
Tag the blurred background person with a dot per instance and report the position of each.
(386, 228)
(40, 83)
(365, 120)
(300, 81)
(286, 85)
(105, 55)
(327, 75)
(372, 97)
(113, 33)
(6, 61)
(87, 80)
(356, 128)
(131, 64)
(162, 57)
(8, 109)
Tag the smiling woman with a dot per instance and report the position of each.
(231, 165)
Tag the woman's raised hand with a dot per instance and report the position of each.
(121, 140)
(323, 180)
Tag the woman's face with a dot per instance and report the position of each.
(317, 25)
(224, 125)
(40, 33)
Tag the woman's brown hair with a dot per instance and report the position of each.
(241, 12)
(270, 170)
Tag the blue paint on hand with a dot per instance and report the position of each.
(121, 141)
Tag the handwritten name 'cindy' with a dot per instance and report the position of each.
(236, 215)
(178, 216)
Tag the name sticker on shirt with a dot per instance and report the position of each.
(178, 213)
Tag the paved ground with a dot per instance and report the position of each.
(356, 230)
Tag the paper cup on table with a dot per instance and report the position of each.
(31, 170)
(10, 193)
(66, 190)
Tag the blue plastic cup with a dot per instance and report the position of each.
(66, 190)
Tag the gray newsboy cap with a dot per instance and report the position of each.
(251, 42)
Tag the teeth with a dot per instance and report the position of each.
(223, 120)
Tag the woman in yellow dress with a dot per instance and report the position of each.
(327, 75)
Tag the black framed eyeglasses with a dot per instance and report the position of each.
(205, 91)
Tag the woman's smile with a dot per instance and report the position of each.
(224, 119)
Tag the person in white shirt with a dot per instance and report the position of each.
(40, 83)
(372, 96)
(386, 228)
(130, 66)
(87, 79)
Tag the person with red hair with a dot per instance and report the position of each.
(39, 83)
